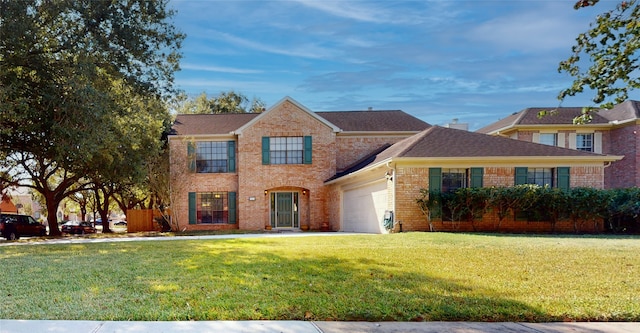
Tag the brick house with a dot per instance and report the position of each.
(615, 131)
(292, 168)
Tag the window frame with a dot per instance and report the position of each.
(554, 136)
(542, 177)
(581, 139)
(286, 150)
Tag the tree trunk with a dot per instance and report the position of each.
(52, 214)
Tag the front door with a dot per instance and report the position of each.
(284, 210)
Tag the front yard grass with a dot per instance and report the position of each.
(404, 277)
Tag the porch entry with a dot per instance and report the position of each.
(284, 210)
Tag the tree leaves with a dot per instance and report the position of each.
(611, 52)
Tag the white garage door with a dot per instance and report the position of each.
(363, 208)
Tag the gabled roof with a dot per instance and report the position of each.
(347, 121)
(440, 142)
(529, 116)
(449, 142)
(294, 102)
(628, 110)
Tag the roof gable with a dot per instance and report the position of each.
(298, 105)
(628, 110)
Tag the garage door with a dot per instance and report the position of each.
(364, 207)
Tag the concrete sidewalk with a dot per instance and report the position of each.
(263, 326)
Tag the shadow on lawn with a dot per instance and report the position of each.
(233, 283)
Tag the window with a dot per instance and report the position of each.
(447, 180)
(453, 179)
(286, 150)
(540, 177)
(212, 207)
(584, 142)
(550, 139)
(554, 177)
(212, 156)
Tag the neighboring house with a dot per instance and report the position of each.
(615, 132)
(292, 168)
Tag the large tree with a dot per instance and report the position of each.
(65, 66)
(225, 102)
(610, 51)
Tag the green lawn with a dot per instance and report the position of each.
(409, 276)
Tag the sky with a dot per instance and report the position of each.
(477, 61)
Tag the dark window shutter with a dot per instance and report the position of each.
(191, 156)
(265, 150)
(231, 156)
(307, 150)
(233, 215)
(435, 179)
(192, 208)
(521, 176)
(476, 177)
(563, 178)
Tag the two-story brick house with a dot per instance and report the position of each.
(292, 168)
(615, 131)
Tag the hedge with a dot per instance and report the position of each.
(618, 208)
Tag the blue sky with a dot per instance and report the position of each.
(477, 60)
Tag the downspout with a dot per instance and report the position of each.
(393, 190)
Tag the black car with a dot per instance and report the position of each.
(14, 226)
(78, 227)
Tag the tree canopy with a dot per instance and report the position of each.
(225, 102)
(83, 86)
(612, 50)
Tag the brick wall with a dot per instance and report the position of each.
(353, 148)
(587, 176)
(254, 177)
(491, 223)
(409, 181)
(624, 173)
(183, 182)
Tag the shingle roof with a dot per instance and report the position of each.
(448, 142)
(356, 121)
(529, 116)
(374, 121)
(565, 115)
(624, 111)
(202, 124)
(439, 141)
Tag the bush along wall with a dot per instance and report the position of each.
(532, 208)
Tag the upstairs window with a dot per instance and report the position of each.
(286, 150)
(550, 139)
(584, 141)
(212, 156)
